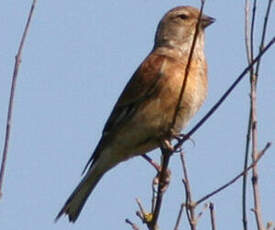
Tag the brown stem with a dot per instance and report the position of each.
(244, 186)
(133, 225)
(263, 35)
(249, 37)
(187, 69)
(254, 131)
(190, 208)
(255, 176)
(212, 214)
(12, 92)
(247, 31)
(166, 153)
(251, 45)
(179, 217)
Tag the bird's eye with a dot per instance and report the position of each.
(183, 16)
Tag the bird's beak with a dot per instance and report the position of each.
(206, 20)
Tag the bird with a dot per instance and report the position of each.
(143, 116)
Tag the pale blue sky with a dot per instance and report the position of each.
(77, 58)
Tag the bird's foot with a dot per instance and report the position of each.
(167, 145)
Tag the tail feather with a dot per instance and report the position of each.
(76, 201)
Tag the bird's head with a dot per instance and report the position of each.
(178, 26)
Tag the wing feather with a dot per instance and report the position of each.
(142, 85)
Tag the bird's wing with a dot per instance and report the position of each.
(142, 85)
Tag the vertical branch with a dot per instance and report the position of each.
(244, 186)
(12, 92)
(212, 215)
(249, 32)
(255, 177)
(248, 54)
(263, 35)
(251, 45)
(166, 154)
(190, 208)
(254, 130)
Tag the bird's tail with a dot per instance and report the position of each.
(76, 201)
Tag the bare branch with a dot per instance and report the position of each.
(249, 38)
(134, 226)
(213, 217)
(204, 198)
(187, 69)
(263, 34)
(166, 153)
(12, 92)
(253, 126)
(244, 186)
(247, 31)
(190, 208)
(255, 176)
(141, 207)
(179, 217)
(151, 162)
(251, 45)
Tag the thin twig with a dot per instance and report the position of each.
(244, 186)
(188, 65)
(186, 203)
(179, 217)
(12, 92)
(151, 162)
(247, 31)
(166, 153)
(254, 130)
(249, 37)
(204, 198)
(224, 96)
(251, 45)
(213, 216)
(263, 35)
(140, 207)
(190, 208)
(133, 225)
(255, 176)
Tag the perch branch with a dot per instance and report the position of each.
(12, 92)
